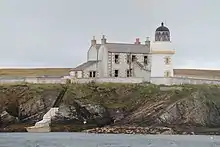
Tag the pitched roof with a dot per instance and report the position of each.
(127, 48)
(84, 65)
(197, 72)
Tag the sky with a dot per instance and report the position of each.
(57, 33)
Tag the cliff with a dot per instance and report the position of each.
(183, 108)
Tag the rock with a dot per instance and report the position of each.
(33, 110)
(116, 114)
(167, 131)
(132, 130)
(80, 112)
(7, 119)
(65, 113)
(196, 111)
(188, 133)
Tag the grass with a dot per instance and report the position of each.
(130, 96)
(34, 72)
(197, 72)
(112, 95)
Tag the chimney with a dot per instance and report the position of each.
(137, 41)
(147, 42)
(93, 41)
(103, 40)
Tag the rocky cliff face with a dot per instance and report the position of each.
(90, 105)
(196, 110)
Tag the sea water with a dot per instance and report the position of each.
(104, 140)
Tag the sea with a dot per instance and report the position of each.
(104, 140)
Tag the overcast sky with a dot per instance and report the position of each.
(57, 33)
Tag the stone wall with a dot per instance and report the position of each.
(109, 80)
(4, 80)
(154, 80)
(182, 80)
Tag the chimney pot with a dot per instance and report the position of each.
(137, 41)
(93, 41)
(104, 40)
(147, 42)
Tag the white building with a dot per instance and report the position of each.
(138, 62)
(125, 62)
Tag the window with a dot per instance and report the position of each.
(116, 73)
(83, 74)
(116, 59)
(92, 74)
(128, 58)
(167, 60)
(167, 74)
(76, 74)
(133, 58)
(129, 73)
(145, 59)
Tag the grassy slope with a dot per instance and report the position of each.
(127, 96)
(112, 95)
(34, 72)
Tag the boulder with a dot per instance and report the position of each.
(33, 110)
(117, 114)
(7, 119)
(82, 113)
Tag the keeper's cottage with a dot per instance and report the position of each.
(144, 62)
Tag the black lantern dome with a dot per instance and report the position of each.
(162, 33)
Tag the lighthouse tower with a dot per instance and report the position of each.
(161, 54)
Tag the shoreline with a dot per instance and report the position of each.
(157, 130)
(131, 130)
